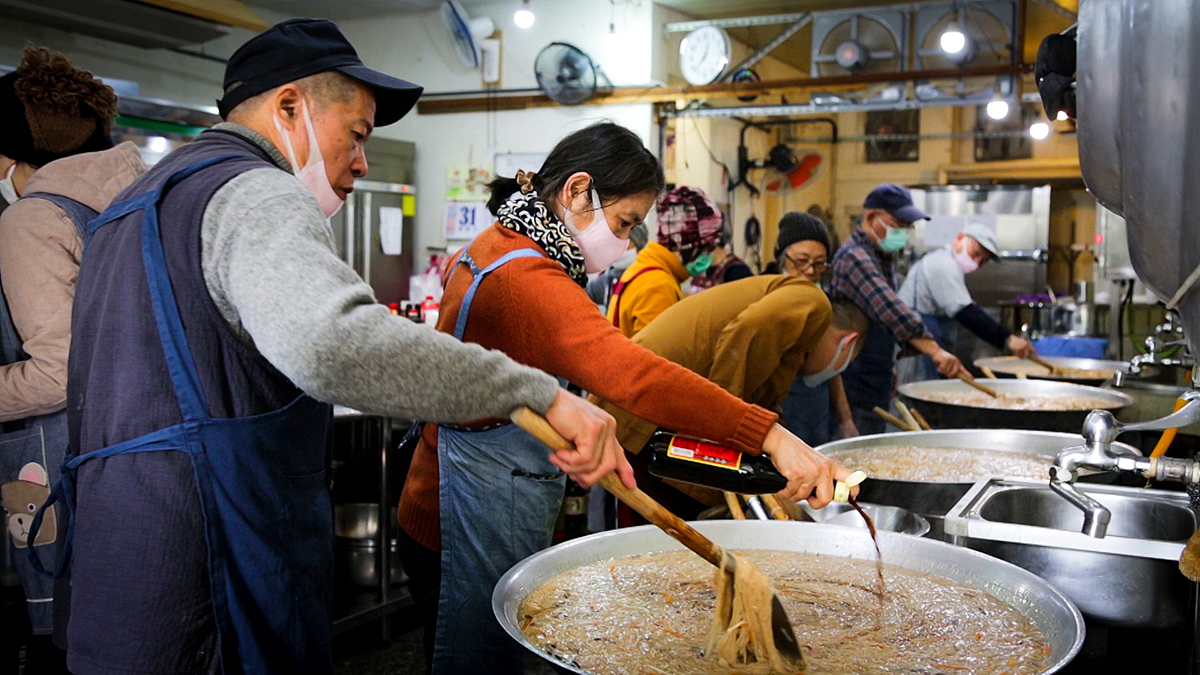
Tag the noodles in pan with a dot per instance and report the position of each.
(653, 615)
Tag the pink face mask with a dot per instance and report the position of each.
(965, 262)
(313, 174)
(599, 246)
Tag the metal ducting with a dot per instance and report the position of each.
(124, 21)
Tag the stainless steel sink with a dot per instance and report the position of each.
(1129, 578)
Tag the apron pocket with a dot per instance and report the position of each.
(536, 499)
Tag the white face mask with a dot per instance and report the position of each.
(313, 174)
(599, 246)
(964, 260)
(7, 189)
(832, 370)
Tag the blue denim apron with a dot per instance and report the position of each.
(500, 496)
(262, 487)
(806, 412)
(31, 452)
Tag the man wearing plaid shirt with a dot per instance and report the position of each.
(863, 274)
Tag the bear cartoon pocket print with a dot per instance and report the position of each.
(22, 498)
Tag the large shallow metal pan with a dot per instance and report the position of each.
(1045, 606)
(1010, 366)
(932, 500)
(953, 416)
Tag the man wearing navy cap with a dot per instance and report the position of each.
(862, 272)
(213, 326)
(937, 288)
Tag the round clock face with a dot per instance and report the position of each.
(704, 54)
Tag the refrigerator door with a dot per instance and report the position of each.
(374, 235)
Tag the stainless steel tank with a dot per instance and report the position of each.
(1138, 99)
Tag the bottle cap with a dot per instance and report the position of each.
(841, 491)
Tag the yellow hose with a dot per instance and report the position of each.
(1169, 435)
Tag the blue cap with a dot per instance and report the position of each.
(296, 48)
(896, 200)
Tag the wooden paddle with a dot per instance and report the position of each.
(907, 416)
(984, 388)
(987, 372)
(920, 419)
(735, 506)
(892, 419)
(1054, 370)
(651, 510)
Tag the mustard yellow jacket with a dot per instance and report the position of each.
(651, 293)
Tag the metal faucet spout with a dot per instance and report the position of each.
(1095, 515)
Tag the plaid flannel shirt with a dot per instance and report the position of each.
(863, 275)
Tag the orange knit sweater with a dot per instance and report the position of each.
(533, 312)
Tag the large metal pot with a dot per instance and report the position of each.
(1008, 367)
(950, 415)
(1045, 606)
(933, 500)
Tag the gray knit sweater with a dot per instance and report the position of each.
(271, 268)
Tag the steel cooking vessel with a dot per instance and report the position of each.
(1045, 606)
(1008, 367)
(932, 500)
(951, 415)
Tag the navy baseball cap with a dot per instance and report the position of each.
(896, 200)
(296, 48)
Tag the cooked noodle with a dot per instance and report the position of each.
(653, 614)
(741, 633)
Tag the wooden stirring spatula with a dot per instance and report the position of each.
(651, 510)
(1054, 370)
(981, 387)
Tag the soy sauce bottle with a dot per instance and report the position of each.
(703, 463)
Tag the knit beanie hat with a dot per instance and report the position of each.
(688, 220)
(49, 109)
(796, 227)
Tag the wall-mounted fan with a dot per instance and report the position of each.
(988, 28)
(565, 73)
(791, 170)
(465, 31)
(858, 42)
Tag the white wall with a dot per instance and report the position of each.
(417, 47)
(161, 74)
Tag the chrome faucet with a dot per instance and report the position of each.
(1100, 429)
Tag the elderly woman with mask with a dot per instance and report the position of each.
(690, 227)
(820, 412)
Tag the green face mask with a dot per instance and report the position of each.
(700, 265)
(895, 240)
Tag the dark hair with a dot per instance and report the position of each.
(615, 158)
(847, 316)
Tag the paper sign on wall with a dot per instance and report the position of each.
(391, 230)
(508, 163)
(464, 220)
(466, 183)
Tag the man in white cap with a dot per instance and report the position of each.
(936, 287)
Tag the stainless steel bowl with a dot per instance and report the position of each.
(1048, 609)
(885, 518)
(932, 500)
(356, 521)
(1009, 366)
(951, 415)
(356, 562)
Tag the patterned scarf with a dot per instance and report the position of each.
(525, 214)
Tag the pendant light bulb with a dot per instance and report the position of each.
(1039, 130)
(997, 109)
(524, 16)
(953, 41)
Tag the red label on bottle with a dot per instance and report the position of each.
(693, 450)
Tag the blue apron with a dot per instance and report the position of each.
(806, 412)
(262, 487)
(499, 496)
(31, 452)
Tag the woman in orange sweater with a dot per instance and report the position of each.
(488, 494)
